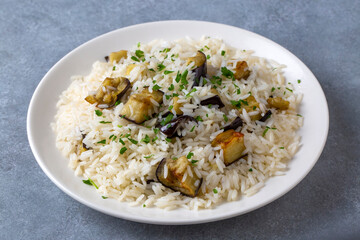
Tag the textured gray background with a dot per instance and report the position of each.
(323, 34)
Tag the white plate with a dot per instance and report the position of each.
(79, 61)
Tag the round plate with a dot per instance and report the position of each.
(42, 110)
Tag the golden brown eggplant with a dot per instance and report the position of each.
(241, 70)
(200, 66)
(141, 105)
(111, 90)
(117, 56)
(176, 168)
(279, 103)
(232, 143)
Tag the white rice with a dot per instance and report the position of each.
(125, 176)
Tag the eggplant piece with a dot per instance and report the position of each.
(117, 56)
(232, 144)
(214, 100)
(175, 172)
(170, 128)
(201, 67)
(250, 104)
(106, 58)
(266, 116)
(141, 105)
(279, 103)
(111, 90)
(241, 70)
(82, 147)
(177, 106)
(234, 124)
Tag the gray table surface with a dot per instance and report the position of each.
(323, 34)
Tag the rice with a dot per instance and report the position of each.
(124, 168)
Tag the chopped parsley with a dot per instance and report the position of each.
(138, 44)
(237, 104)
(167, 97)
(102, 141)
(121, 141)
(104, 122)
(225, 118)
(171, 88)
(119, 126)
(135, 59)
(222, 53)
(183, 77)
(208, 57)
(227, 73)
(139, 53)
(154, 139)
(156, 130)
(189, 94)
(103, 197)
(114, 68)
(168, 139)
(178, 77)
(207, 47)
(273, 89)
(122, 150)
(146, 139)
(254, 107)
(299, 81)
(156, 87)
(265, 131)
(289, 89)
(160, 67)
(165, 50)
(98, 112)
(190, 154)
(193, 162)
(149, 156)
(281, 147)
(144, 205)
(167, 119)
(133, 141)
(170, 107)
(198, 118)
(117, 102)
(192, 129)
(298, 115)
(210, 105)
(166, 72)
(250, 170)
(90, 182)
(151, 69)
(111, 136)
(215, 190)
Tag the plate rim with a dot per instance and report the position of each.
(177, 221)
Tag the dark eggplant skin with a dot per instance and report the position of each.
(214, 100)
(170, 128)
(201, 70)
(106, 58)
(266, 116)
(234, 124)
(159, 173)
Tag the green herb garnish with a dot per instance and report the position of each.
(166, 72)
(156, 87)
(171, 88)
(198, 118)
(227, 73)
(215, 190)
(133, 141)
(103, 197)
(190, 154)
(160, 67)
(104, 122)
(146, 139)
(225, 118)
(135, 59)
(102, 141)
(222, 53)
(192, 129)
(122, 150)
(167, 119)
(149, 156)
(193, 162)
(139, 53)
(98, 112)
(121, 141)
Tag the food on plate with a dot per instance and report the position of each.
(179, 124)
(178, 174)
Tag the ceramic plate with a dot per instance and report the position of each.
(42, 110)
